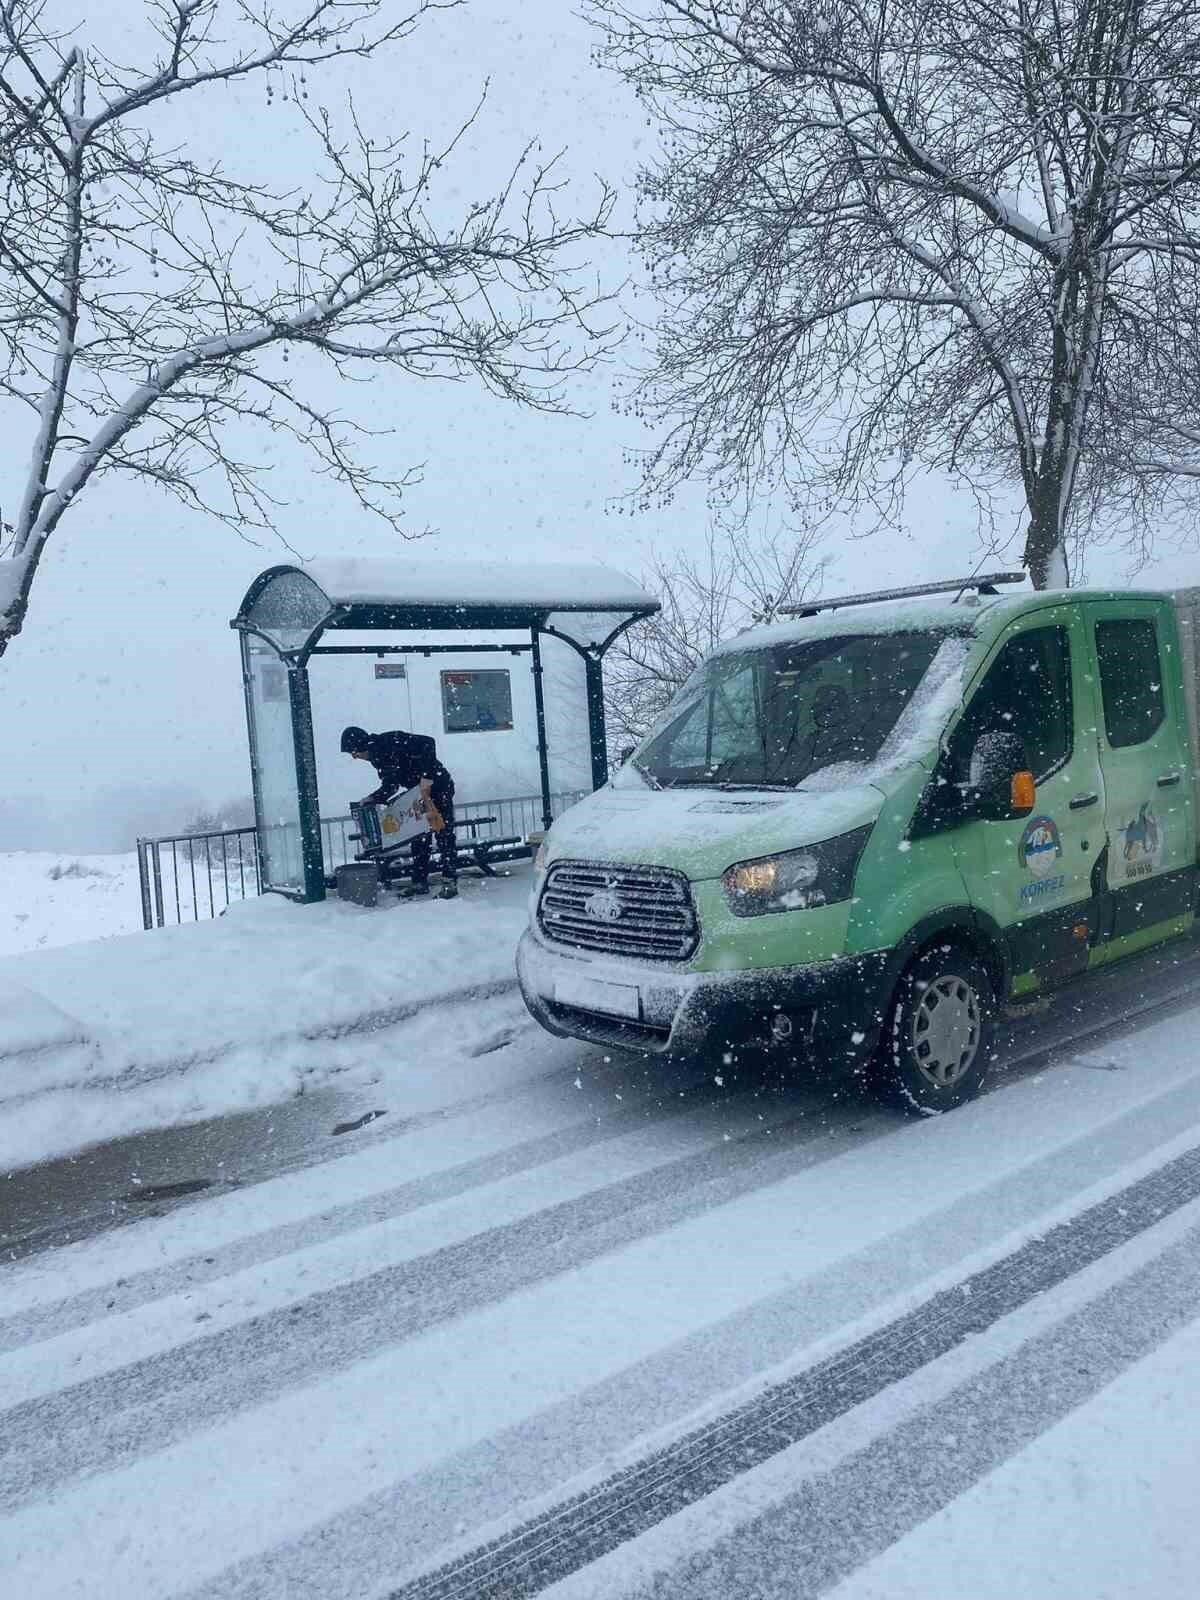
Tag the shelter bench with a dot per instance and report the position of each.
(475, 854)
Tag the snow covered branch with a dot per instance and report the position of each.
(150, 299)
(871, 222)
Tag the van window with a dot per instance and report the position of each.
(1130, 681)
(778, 714)
(1027, 691)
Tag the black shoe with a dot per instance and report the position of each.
(448, 891)
(414, 891)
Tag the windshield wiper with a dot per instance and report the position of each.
(725, 785)
(646, 773)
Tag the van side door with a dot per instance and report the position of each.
(1034, 875)
(1144, 754)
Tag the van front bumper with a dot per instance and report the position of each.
(830, 1011)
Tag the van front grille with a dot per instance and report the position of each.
(642, 912)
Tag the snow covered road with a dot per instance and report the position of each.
(578, 1326)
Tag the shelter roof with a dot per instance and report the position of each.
(292, 605)
(395, 580)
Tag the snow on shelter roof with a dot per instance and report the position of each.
(394, 580)
(293, 604)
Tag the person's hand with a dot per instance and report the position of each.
(434, 817)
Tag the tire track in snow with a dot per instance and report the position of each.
(343, 1325)
(208, 1264)
(408, 1524)
(567, 1538)
(846, 1516)
(146, 1406)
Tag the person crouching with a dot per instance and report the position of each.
(405, 761)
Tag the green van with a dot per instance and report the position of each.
(857, 835)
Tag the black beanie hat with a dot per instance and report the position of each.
(354, 739)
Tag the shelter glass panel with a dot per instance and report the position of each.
(288, 609)
(273, 752)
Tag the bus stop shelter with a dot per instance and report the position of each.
(289, 610)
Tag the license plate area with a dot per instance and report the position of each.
(595, 994)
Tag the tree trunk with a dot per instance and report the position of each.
(1045, 550)
(14, 598)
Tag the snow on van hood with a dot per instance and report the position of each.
(702, 831)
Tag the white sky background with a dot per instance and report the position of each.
(126, 679)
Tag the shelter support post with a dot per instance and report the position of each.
(306, 780)
(539, 701)
(598, 734)
(252, 746)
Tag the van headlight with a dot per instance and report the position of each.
(796, 880)
(539, 859)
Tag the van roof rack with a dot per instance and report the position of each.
(983, 583)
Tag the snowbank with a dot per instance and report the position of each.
(231, 1012)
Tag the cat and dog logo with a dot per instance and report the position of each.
(1143, 843)
(1040, 850)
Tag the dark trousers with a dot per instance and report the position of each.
(422, 845)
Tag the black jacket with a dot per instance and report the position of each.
(402, 760)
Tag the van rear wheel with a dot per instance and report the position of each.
(937, 1035)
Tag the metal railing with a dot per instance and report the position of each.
(192, 877)
(187, 877)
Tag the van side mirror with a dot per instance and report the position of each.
(626, 752)
(1000, 786)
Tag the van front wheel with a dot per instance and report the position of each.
(937, 1036)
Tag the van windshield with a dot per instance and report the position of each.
(773, 717)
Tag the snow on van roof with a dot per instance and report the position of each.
(554, 586)
(892, 616)
(942, 613)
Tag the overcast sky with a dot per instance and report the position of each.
(126, 678)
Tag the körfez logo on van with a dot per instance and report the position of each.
(1040, 846)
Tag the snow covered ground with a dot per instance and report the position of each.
(103, 1037)
(584, 1326)
(588, 1328)
(48, 900)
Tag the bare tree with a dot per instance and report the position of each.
(738, 581)
(149, 300)
(213, 834)
(960, 235)
(236, 812)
